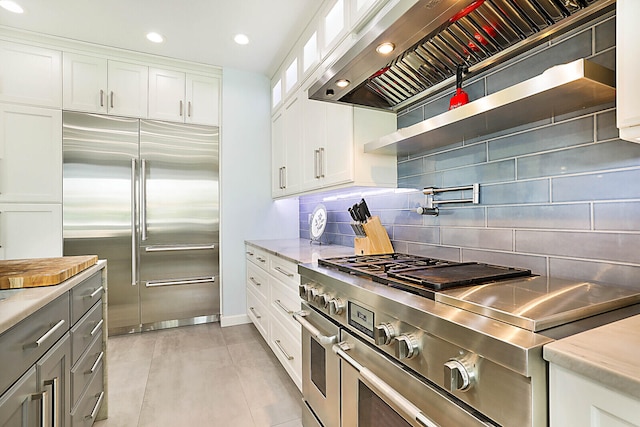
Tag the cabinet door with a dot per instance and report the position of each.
(85, 83)
(293, 146)
(53, 372)
(277, 154)
(336, 162)
(30, 154)
(30, 75)
(128, 89)
(30, 231)
(203, 100)
(314, 116)
(166, 95)
(21, 405)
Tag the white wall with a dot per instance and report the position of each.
(247, 211)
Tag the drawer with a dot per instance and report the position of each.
(85, 412)
(283, 303)
(287, 349)
(286, 271)
(258, 314)
(258, 280)
(257, 256)
(85, 331)
(89, 365)
(28, 340)
(84, 295)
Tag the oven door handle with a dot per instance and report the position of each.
(382, 387)
(299, 316)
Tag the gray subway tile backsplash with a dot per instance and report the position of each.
(560, 196)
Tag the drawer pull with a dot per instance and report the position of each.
(254, 281)
(95, 364)
(286, 273)
(97, 327)
(249, 253)
(259, 258)
(163, 248)
(282, 306)
(96, 292)
(287, 355)
(96, 407)
(152, 283)
(43, 338)
(44, 404)
(253, 310)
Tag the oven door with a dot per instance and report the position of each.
(378, 392)
(320, 366)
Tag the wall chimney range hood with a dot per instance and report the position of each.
(432, 37)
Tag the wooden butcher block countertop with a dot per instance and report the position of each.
(31, 273)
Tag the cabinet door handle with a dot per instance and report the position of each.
(44, 404)
(281, 305)
(286, 273)
(321, 162)
(189, 108)
(316, 153)
(284, 177)
(55, 395)
(101, 98)
(43, 338)
(180, 108)
(95, 364)
(287, 355)
(111, 102)
(254, 281)
(94, 412)
(255, 313)
(96, 328)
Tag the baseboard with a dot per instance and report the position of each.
(239, 319)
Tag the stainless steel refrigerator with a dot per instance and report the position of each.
(144, 195)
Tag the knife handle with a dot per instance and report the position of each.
(365, 209)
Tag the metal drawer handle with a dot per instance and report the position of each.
(287, 355)
(249, 253)
(261, 259)
(255, 313)
(96, 292)
(43, 338)
(95, 364)
(286, 310)
(322, 339)
(254, 281)
(178, 248)
(152, 283)
(286, 273)
(96, 407)
(44, 404)
(382, 387)
(97, 327)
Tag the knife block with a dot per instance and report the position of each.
(377, 241)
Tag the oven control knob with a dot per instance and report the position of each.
(303, 291)
(407, 346)
(384, 333)
(336, 306)
(457, 375)
(323, 300)
(312, 294)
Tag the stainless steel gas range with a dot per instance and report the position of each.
(403, 340)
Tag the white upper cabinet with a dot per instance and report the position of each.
(182, 97)
(30, 75)
(30, 230)
(286, 149)
(627, 62)
(30, 154)
(310, 54)
(98, 85)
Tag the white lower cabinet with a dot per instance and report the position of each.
(575, 400)
(272, 298)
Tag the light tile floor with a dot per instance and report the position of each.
(197, 376)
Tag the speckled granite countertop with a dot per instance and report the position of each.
(300, 251)
(23, 303)
(609, 355)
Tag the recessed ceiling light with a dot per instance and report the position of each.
(342, 83)
(155, 37)
(385, 48)
(241, 39)
(11, 6)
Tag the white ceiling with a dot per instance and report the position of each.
(194, 30)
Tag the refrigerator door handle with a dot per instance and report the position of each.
(143, 199)
(134, 243)
(153, 283)
(178, 248)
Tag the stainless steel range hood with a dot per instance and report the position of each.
(432, 36)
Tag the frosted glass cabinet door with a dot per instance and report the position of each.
(30, 154)
(30, 75)
(30, 231)
(166, 95)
